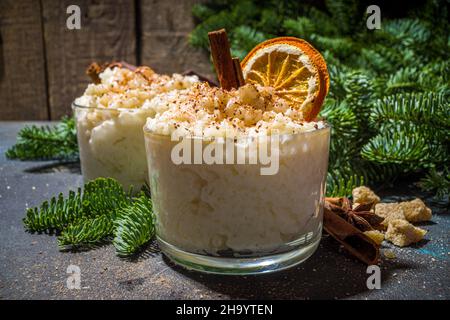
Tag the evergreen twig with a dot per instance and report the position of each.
(58, 142)
(134, 227)
(94, 214)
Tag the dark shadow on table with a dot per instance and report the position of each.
(424, 223)
(69, 167)
(422, 243)
(149, 250)
(329, 274)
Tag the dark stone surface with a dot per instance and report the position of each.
(31, 267)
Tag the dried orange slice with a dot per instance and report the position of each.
(296, 71)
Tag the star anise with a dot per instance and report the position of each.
(360, 216)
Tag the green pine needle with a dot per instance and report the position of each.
(201, 11)
(94, 214)
(301, 27)
(404, 144)
(419, 108)
(342, 186)
(55, 214)
(134, 227)
(240, 45)
(86, 232)
(45, 142)
(437, 181)
(99, 197)
(103, 196)
(406, 32)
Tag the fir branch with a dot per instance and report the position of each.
(406, 32)
(341, 117)
(403, 144)
(45, 142)
(240, 45)
(201, 11)
(301, 27)
(236, 15)
(382, 59)
(405, 79)
(428, 108)
(55, 214)
(323, 23)
(347, 13)
(93, 215)
(359, 93)
(437, 181)
(269, 21)
(343, 124)
(104, 196)
(343, 47)
(134, 227)
(99, 197)
(339, 185)
(86, 232)
(338, 77)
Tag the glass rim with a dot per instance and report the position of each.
(75, 106)
(327, 127)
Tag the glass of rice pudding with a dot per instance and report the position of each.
(237, 177)
(110, 116)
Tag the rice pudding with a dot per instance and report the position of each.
(110, 116)
(227, 209)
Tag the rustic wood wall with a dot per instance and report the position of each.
(42, 62)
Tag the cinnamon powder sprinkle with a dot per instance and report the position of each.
(248, 110)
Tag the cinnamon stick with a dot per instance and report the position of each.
(223, 63)
(353, 240)
(238, 71)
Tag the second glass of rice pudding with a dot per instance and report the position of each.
(109, 119)
(237, 178)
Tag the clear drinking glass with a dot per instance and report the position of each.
(231, 218)
(111, 144)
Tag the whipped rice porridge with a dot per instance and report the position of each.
(232, 209)
(110, 116)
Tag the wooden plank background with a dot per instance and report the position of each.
(165, 25)
(23, 89)
(42, 62)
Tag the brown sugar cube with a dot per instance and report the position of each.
(402, 233)
(375, 235)
(416, 210)
(389, 211)
(364, 195)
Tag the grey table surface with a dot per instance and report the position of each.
(31, 267)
